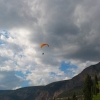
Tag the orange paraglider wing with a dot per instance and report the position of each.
(44, 44)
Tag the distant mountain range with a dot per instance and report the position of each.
(56, 89)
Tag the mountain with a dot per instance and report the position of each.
(55, 89)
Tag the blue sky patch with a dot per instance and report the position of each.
(25, 84)
(19, 73)
(52, 74)
(67, 68)
(4, 33)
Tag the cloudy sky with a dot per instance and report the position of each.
(70, 27)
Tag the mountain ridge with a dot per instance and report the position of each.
(51, 90)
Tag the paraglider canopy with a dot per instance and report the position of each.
(44, 44)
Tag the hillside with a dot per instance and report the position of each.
(78, 92)
(98, 96)
(55, 89)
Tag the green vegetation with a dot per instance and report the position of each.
(95, 87)
(99, 86)
(87, 88)
(74, 97)
(96, 97)
(91, 89)
(77, 91)
(88, 93)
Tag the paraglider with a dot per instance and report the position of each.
(42, 53)
(42, 45)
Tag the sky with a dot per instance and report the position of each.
(70, 27)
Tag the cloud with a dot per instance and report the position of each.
(9, 80)
(71, 28)
(15, 14)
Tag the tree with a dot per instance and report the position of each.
(74, 97)
(54, 98)
(95, 88)
(87, 88)
(96, 84)
(68, 98)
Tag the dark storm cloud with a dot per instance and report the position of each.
(15, 14)
(84, 54)
(61, 29)
(60, 18)
(9, 80)
(70, 27)
(58, 22)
